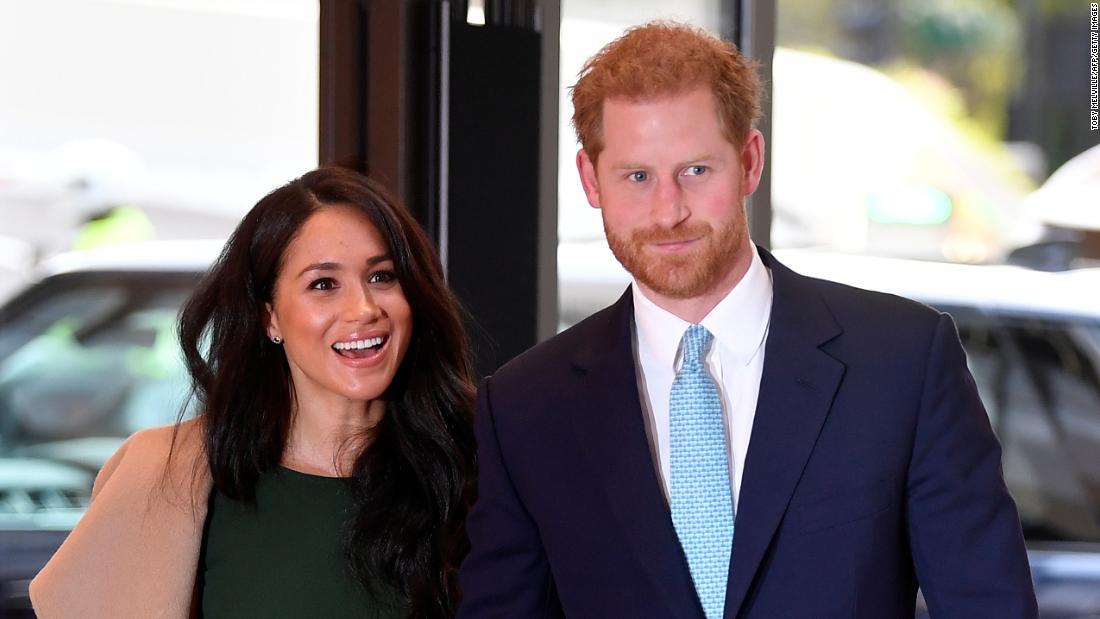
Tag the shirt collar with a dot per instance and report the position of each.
(739, 322)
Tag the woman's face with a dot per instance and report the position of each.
(339, 309)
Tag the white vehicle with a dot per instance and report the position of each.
(88, 355)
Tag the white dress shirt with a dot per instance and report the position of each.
(735, 361)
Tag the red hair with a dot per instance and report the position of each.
(665, 58)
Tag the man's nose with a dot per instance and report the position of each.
(669, 208)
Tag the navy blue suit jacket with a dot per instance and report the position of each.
(871, 469)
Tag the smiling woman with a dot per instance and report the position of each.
(330, 470)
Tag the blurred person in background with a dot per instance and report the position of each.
(330, 468)
(730, 438)
(113, 225)
(102, 177)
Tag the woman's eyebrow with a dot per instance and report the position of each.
(336, 266)
(321, 266)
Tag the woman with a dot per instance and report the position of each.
(331, 467)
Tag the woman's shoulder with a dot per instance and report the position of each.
(162, 437)
(175, 446)
(146, 521)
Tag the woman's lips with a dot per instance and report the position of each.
(364, 357)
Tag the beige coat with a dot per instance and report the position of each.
(135, 552)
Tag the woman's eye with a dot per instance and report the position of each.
(638, 176)
(325, 283)
(382, 277)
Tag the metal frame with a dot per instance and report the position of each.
(751, 26)
(342, 96)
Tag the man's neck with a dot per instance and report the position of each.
(694, 309)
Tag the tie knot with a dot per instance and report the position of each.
(695, 343)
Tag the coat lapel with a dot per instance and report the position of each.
(796, 391)
(609, 424)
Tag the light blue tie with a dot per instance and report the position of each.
(699, 489)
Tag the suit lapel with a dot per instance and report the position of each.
(796, 391)
(608, 420)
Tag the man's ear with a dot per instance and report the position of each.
(587, 170)
(752, 162)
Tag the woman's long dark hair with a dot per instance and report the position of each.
(412, 485)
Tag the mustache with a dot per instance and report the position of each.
(658, 234)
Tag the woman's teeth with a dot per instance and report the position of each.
(370, 342)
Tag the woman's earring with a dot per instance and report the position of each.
(276, 339)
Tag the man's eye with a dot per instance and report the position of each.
(695, 170)
(325, 283)
(382, 277)
(638, 177)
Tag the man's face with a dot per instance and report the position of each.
(671, 189)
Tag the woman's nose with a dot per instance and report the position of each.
(362, 307)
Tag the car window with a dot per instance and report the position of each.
(84, 364)
(1038, 379)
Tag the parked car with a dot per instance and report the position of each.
(1033, 345)
(88, 355)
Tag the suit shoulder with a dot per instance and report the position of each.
(559, 350)
(546, 367)
(875, 325)
(857, 307)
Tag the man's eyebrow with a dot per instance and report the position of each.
(703, 157)
(630, 165)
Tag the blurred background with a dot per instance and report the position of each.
(935, 149)
(185, 112)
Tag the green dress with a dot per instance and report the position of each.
(284, 556)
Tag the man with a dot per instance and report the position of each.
(730, 438)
